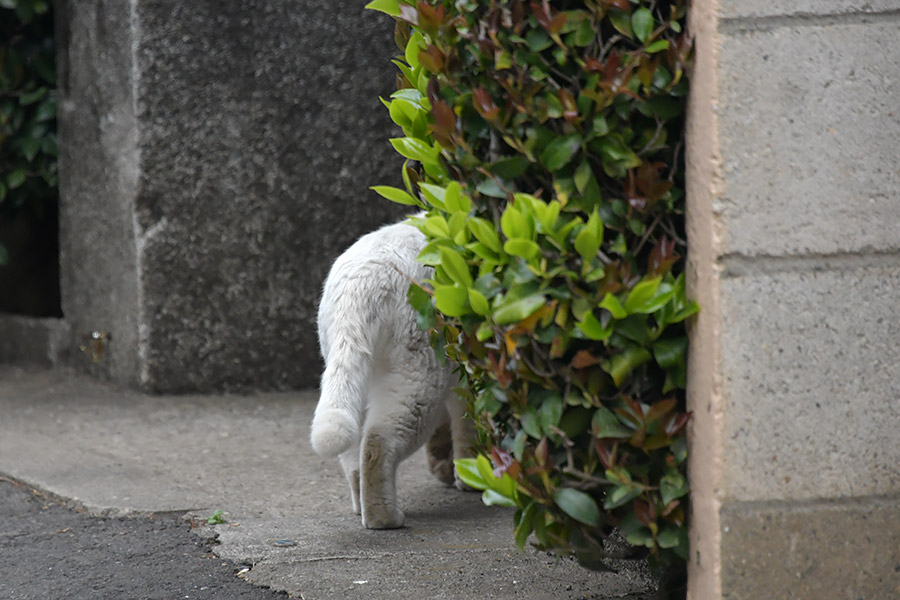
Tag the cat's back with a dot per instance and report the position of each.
(394, 247)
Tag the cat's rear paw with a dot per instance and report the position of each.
(462, 485)
(443, 470)
(379, 519)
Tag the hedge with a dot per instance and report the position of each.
(543, 145)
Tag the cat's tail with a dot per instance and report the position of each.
(338, 418)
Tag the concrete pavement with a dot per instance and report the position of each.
(288, 514)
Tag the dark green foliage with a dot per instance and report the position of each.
(543, 142)
(28, 175)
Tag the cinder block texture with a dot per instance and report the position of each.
(821, 551)
(811, 383)
(809, 125)
(803, 8)
(257, 132)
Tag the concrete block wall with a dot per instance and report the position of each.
(215, 158)
(794, 232)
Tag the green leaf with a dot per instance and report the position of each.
(537, 40)
(657, 46)
(455, 200)
(46, 111)
(641, 294)
(436, 227)
(396, 195)
(522, 247)
(583, 175)
(621, 21)
(578, 505)
(391, 7)
(411, 94)
(642, 23)
(485, 233)
(434, 194)
(467, 470)
(672, 485)
(593, 329)
(525, 524)
(615, 308)
(619, 496)
(621, 365)
(510, 167)
(669, 537)
(530, 425)
(514, 224)
(547, 215)
(606, 425)
(455, 266)
(15, 179)
(483, 464)
(489, 187)
(451, 300)
(29, 147)
(32, 97)
(550, 413)
(478, 302)
(670, 352)
(560, 151)
(691, 309)
(484, 332)
(519, 309)
(588, 240)
(415, 149)
(415, 44)
(4, 255)
(491, 498)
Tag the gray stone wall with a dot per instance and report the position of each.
(216, 158)
(794, 226)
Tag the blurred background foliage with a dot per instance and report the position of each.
(28, 153)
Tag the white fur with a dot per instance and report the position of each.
(383, 392)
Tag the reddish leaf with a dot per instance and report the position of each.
(660, 409)
(606, 456)
(570, 109)
(432, 59)
(643, 512)
(674, 428)
(444, 117)
(430, 17)
(620, 4)
(553, 23)
(662, 257)
(433, 89)
(594, 66)
(584, 359)
(484, 104)
(671, 506)
(542, 452)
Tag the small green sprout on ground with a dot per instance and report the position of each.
(217, 518)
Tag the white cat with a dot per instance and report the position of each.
(384, 393)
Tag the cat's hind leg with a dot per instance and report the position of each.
(439, 451)
(350, 464)
(379, 457)
(403, 413)
(462, 433)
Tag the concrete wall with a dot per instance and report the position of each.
(215, 158)
(794, 232)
